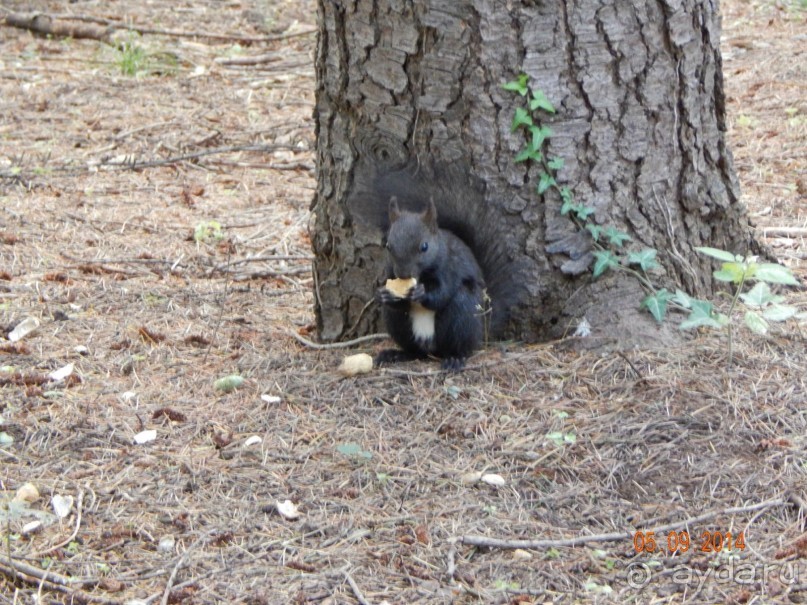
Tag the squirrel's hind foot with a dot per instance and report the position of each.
(453, 364)
(388, 356)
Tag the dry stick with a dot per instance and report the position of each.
(612, 537)
(334, 345)
(355, 588)
(256, 259)
(184, 34)
(45, 24)
(174, 571)
(135, 165)
(54, 581)
(254, 60)
(784, 232)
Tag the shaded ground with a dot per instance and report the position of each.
(382, 468)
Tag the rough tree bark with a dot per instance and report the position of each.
(640, 124)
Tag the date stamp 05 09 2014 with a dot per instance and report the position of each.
(681, 542)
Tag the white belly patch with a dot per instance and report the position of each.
(422, 323)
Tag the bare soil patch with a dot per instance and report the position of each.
(106, 180)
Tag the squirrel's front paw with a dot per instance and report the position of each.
(416, 293)
(385, 297)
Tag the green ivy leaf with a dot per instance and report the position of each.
(731, 272)
(605, 260)
(519, 85)
(595, 230)
(583, 212)
(683, 299)
(566, 194)
(522, 118)
(545, 183)
(616, 237)
(646, 259)
(755, 322)
(775, 274)
(528, 153)
(779, 312)
(539, 101)
(700, 316)
(657, 304)
(566, 207)
(758, 296)
(727, 257)
(539, 135)
(555, 164)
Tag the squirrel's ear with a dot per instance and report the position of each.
(430, 216)
(394, 211)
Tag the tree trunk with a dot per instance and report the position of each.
(640, 125)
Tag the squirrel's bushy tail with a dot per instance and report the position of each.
(461, 208)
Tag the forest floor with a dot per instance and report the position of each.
(156, 226)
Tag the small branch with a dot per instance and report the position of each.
(335, 345)
(175, 571)
(38, 573)
(45, 24)
(37, 22)
(189, 34)
(258, 259)
(135, 165)
(254, 60)
(355, 588)
(784, 232)
(632, 367)
(615, 536)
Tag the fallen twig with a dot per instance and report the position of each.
(335, 345)
(614, 536)
(48, 25)
(179, 564)
(135, 165)
(784, 232)
(52, 24)
(355, 588)
(254, 60)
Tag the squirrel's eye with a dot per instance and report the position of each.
(424, 246)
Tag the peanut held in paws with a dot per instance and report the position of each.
(400, 287)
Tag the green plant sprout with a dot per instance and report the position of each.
(131, 57)
(206, 231)
(608, 243)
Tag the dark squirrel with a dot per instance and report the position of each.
(440, 231)
(442, 313)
